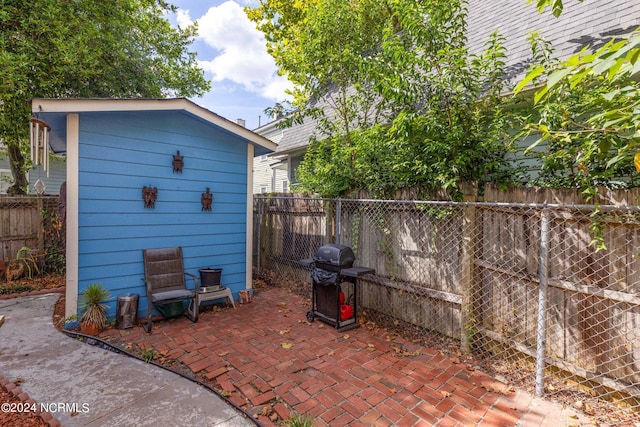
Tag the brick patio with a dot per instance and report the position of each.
(266, 354)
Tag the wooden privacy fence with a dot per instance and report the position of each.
(533, 281)
(21, 223)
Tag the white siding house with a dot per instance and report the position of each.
(270, 174)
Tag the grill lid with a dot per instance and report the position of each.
(334, 255)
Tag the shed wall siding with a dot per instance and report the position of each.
(119, 154)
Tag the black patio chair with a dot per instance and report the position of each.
(165, 280)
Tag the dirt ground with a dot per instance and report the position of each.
(18, 414)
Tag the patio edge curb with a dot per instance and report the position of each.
(21, 395)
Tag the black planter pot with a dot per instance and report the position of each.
(210, 277)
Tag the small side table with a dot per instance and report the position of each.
(212, 295)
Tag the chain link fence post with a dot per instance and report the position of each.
(542, 303)
(467, 264)
(337, 222)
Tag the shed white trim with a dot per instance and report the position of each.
(48, 105)
(73, 143)
(249, 239)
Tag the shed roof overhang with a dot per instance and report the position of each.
(54, 112)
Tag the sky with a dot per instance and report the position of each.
(233, 55)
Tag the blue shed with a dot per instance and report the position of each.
(114, 148)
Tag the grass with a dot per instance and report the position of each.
(15, 289)
(148, 355)
(298, 420)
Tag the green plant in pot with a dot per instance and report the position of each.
(70, 323)
(94, 309)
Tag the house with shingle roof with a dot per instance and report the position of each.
(588, 23)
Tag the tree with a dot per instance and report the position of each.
(451, 119)
(324, 47)
(86, 48)
(442, 108)
(586, 111)
(320, 46)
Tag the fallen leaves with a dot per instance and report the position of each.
(498, 388)
(267, 411)
(401, 351)
(584, 407)
(286, 345)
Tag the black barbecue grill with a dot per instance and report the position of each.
(333, 297)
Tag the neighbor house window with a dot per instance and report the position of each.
(285, 185)
(263, 189)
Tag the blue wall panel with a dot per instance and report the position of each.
(122, 152)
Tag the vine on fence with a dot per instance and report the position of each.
(54, 241)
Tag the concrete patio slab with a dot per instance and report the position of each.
(83, 385)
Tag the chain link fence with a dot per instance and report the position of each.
(546, 295)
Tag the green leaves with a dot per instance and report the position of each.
(444, 122)
(88, 49)
(531, 75)
(587, 115)
(556, 6)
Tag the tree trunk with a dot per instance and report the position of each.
(16, 162)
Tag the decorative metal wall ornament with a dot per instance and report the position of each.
(178, 162)
(149, 195)
(206, 199)
(40, 187)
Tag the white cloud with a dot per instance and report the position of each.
(183, 18)
(240, 52)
